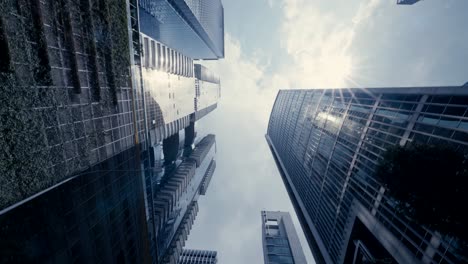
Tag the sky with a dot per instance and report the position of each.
(286, 44)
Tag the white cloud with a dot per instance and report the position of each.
(270, 3)
(246, 179)
(366, 10)
(319, 43)
(243, 82)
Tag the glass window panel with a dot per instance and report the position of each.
(171, 54)
(362, 95)
(277, 241)
(439, 99)
(460, 136)
(412, 98)
(153, 54)
(179, 63)
(424, 128)
(448, 122)
(169, 62)
(158, 56)
(272, 222)
(172, 61)
(278, 250)
(454, 111)
(281, 259)
(164, 58)
(184, 65)
(463, 125)
(146, 53)
(394, 105)
(272, 232)
(396, 97)
(437, 109)
(176, 62)
(408, 107)
(443, 132)
(419, 138)
(428, 119)
(459, 100)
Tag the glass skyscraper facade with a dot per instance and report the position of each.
(327, 144)
(94, 217)
(100, 161)
(194, 27)
(197, 256)
(176, 193)
(281, 244)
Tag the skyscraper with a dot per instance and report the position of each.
(175, 203)
(98, 103)
(194, 27)
(279, 238)
(196, 256)
(327, 144)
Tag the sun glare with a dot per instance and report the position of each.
(336, 69)
(332, 69)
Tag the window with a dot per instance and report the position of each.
(277, 241)
(146, 52)
(271, 222)
(168, 61)
(454, 111)
(439, 99)
(164, 58)
(158, 66)
(153, 54)
(180, 64)
(172, 61)
(463, 125)
(460, 136)
(428, 119)
(278, 250)
(281, 259)
(176, 62)
(433, 109)
(272, 232)
(184, 65)
(191, 68)
(443, 132)
(448, 122)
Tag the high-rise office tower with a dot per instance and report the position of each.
(194, 27)
(89, 106)
(327, 144)
(196, 256)
(280, 241)
(175, 204)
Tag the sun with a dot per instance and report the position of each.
(331, 69)
(336, 69)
